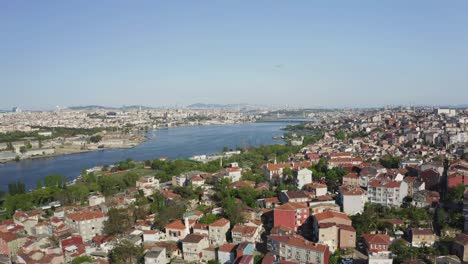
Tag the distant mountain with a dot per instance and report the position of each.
(206, 106)
(100, 107)
(241, 107)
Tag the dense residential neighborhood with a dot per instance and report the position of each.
(363, 186)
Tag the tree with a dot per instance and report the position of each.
(175, 209)
(118, 221)
(23, 149)
(126, 252)
(82, 259)
(208, 219)
(16, 188)
(340, 135)
(38, 184)
(55, 180)
(78, 192)
(95, 139)
(455, 195)
(233, 210)
(390, 162)
(18, 202)
(335, 257)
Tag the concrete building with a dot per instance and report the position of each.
(178, 229)
(334, 230)
(387, 192)
(148, 185)
(86, 223)
(318, 189)
(297, 249)
(460, 247)
(227, 253)
(351, 179)
(217, 231)
(245, 233)
(96, 199)
(291, 215)
(156, 255)
(422, 237)
(352, 199)
(192, 247)
(303, 177)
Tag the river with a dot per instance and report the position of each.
(179, 142)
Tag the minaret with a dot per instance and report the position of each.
(187, 225)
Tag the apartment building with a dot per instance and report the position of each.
(387, 192)
(86, 223)
(296, 248)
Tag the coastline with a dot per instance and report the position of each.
(78, 151)
(143, 138)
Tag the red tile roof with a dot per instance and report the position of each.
(330, 214)
(291, 206)
(227, 247)
(377, 239)
(299, 242)
(7, 237)
(85, 215)
(351, 190)
(384, 184)
(220, 222)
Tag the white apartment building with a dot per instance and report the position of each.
(387, 192)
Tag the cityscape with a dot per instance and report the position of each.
(252, 132)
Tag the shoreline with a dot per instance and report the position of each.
(134, 144)
(78, 151)
(129, 146)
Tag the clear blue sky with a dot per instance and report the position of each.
(298, 53)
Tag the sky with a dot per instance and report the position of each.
(275, 52)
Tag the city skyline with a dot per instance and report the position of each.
(304, 54)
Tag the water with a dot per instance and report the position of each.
(180, 142)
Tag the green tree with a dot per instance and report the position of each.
(126, 252)
(175, 209)
(18, 202)
(118, 221)
(78, 192)
(23, 149)
(38, 184)
(95, 139)
(208, 219)
(335, 257)
(82, 259)
(340, 135)
(390, 162)
(16, 188)
(455, 195)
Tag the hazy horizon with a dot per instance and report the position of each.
(296, 53)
